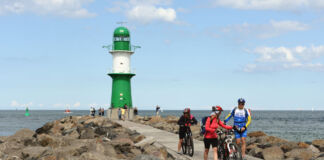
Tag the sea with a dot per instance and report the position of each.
(304, 126)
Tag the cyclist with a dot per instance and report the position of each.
(185, 121)
(210, 136)
(242, 119)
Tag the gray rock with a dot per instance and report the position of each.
(45, 129)
(299, 154)
(273, 153)
(87, 133)
(256, 152)
(34, 152)
(145, 142)
(319, 143)
(313, 149)
(145, 157)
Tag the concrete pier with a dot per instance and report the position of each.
(170, 140)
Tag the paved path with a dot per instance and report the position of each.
(169, 140)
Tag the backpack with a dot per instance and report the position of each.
(203, 123)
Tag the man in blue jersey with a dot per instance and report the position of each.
(242, 119)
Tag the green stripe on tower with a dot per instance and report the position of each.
(121, 90)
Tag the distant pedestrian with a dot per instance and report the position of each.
(135, 111)
(157, 110)
(126, 110)
(92, 111)
(102, 112)
(119, 114)
(99, 111)
(123, 113)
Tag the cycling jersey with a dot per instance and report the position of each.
(183, 121)
(211, 127)
(242, 117)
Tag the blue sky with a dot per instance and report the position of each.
(195, 53)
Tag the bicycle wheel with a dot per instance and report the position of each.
(238, 153)
(236, 150)
(184, 145)
(221, 152)
(190, 146)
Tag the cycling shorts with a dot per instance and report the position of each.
(210, 141)
(182, 135)
(240, 135)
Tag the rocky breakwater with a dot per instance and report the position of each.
(271, 148)
(259, 144)
(80, 138)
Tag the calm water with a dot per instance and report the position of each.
(290, 125)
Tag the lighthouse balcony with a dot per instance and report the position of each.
(121, 48)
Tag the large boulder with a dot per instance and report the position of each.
(256, 152)
(256, 134)
(45, 129)
(34, 152)
(298, 153)
(313, 149)
(319, 143)
(288, 146)
(171, 119)
(95, 156)
(146, 157)
(147, 141)
(273, 153)
(303, 145)
(87, 133)
(21, 136)
(156, 119)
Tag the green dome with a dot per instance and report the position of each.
(121, 32)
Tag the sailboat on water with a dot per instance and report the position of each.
(67, 111)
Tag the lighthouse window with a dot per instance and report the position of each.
(121, 38)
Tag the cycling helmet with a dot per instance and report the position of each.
(219, 108)
(186, 110)
(241, 100)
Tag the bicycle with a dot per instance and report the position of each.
(187, 143)
(227, 150)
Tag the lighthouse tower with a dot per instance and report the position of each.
(121, 74)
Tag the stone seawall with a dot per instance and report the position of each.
(259, 144)
(80, 138)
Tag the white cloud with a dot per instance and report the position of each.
(287, 5)
(146, 11)
(66, 8)
(146, 14)
(281, 58)
(269, 30)
(40, 105)
(14, 104)
(77, 104)
(27, 104)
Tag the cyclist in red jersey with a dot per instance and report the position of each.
(210, 136)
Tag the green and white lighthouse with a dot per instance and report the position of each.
(121, 74)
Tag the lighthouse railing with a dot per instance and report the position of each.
(111, 48)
